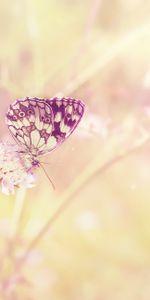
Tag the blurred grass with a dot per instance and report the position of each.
(99, 247)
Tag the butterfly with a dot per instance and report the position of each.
(41, 125)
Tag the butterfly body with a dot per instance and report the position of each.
(41, 125)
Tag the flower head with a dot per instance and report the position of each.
(15, 169)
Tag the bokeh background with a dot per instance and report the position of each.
(96, 241)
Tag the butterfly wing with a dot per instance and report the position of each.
(67, 113)
(40, 125)
(30, 123)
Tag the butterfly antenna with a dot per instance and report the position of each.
(47, 176)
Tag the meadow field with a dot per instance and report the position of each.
(89, 239)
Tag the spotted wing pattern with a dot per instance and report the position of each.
(40, 125)
(67, 114)
(30, 122)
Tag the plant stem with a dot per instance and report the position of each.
(18, 212)
(119, 46)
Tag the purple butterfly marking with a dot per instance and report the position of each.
(41, 125)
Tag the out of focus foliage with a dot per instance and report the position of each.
(99, 248)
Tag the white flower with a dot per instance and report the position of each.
(15, 169)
